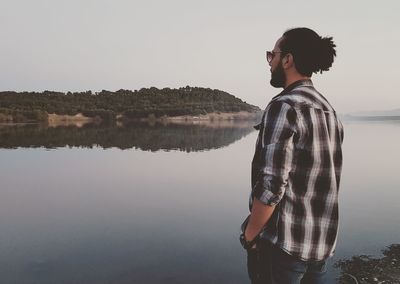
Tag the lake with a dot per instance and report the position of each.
(163, 204)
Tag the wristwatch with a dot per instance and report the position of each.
(247, 244)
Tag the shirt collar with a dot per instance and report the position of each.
(298, 83)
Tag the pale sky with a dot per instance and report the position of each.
(83, 45)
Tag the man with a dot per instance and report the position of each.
(293, 225)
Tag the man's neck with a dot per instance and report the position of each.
(293, 79)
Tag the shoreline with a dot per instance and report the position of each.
(214, 119)
(79, 119)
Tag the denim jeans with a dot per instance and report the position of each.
(270, 264)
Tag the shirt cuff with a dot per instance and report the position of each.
(266, 196)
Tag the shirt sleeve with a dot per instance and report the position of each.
(277, 134)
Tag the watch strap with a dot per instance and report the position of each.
(248, 244)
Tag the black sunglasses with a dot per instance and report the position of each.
(271, 55)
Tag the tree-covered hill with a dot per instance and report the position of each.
(34, 106)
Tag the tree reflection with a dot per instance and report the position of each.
(182, 137)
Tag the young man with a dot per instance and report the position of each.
(293, 225)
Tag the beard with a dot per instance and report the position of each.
(278, 77)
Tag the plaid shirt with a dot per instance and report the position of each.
(297, 166)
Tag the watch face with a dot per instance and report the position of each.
(243, 242)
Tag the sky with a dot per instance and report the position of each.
(80, 45)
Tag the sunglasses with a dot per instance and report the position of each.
(271, 55)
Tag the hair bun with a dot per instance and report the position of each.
(311, 52)
(326, 54)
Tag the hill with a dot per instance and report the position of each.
(122, 104)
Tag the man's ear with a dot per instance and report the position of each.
(287, 61)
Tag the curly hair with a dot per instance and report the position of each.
(311, 52)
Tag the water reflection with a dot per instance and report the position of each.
(143, 136)
(80, 215)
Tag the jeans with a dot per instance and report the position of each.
(270, 264)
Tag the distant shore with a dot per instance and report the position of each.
(220, 119)
(214, 116)
(371, 118)
(226, 118)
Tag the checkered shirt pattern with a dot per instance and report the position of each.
(296, 167)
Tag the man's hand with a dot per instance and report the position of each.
(260, 214)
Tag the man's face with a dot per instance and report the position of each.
(278, 76)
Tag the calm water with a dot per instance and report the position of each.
(164, 204)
